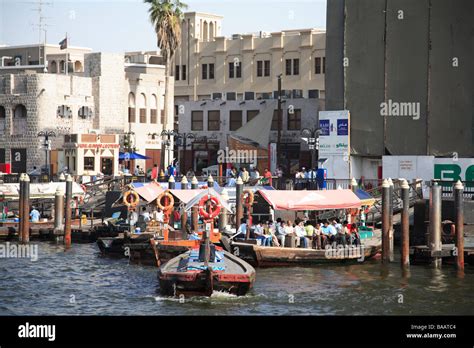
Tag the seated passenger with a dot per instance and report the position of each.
(317, 235)
(301, 235)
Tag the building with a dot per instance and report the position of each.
(112, 94)
(402, 69)
(220, 83)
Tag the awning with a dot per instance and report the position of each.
(311, 200)
(257, 131)
(149, 192)
(126, 156)
(185, 196)
(365, 197)
(195, 200)
(37, 191)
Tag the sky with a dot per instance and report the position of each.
(123, 25)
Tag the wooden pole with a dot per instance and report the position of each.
(239, 211)
(354, 185)
(58, 208)
(21, 206)
(67, 222)
(391, 244)
(223, 213)
(26, 210)
(210, 181)
(194, 212)
(385, 222)
(405, 249)
(459, 223)
(184, 215)
(435, 222)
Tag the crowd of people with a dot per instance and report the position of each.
(301, 233)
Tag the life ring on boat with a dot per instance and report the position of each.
(133, 202)
(247, 197)
(170, 201)
(215, 208)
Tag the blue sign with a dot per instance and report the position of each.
(342, 127)
(324, 125)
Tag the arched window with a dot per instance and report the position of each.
(205, 32)
(64, 111)
(19, 111)
(211, 31)
(154, 109)
(53, 67)
(131, 107)
(142, 107)
(84, 112)
(77, 66)
(62, 67)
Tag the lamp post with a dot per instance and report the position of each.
(167, 142)
(181, 140)
(279, 121)
(47, 147)
(128, 146)
(313, 144)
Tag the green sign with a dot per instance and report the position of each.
(454, 172)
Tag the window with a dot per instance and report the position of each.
(231, 70)
(231, 96)
(235, 69)
(294, 119)
(204, 71)
(235, 120)
(297, 93)
(142, 115)
(324, 65)
(288, 67)
(19, 111)
(238, 70)
(84, 112)
(163, 118)
(216, 96)
(197, 121)
(211, 71)
(266, 71)
(275, 120)
(183, 72)
(249, 95)
(2, 121)
(296, 66)
(131, 115)
(64, 111)
(251, 114)
(214, 120)
(89, 163)
(260, 68)
(177, 73)
(317, 65)
(313, 93)
(153, 116)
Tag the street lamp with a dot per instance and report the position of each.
(47, 147)
(313, 144)
(181, 140)
(167, 142)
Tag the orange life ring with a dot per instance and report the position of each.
(133, 202)
(247, 197)
(215, 209)
(170, 201)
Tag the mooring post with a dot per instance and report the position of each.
(405, 222)
(68, 211)
(171, 183)
(239, 211)
(26, 209)
(21, 213)
(354, 185)
(385, 221)
(184, 215)
(459, 223)
(223, 213)
(62, 178)
(391, 244)
(210, 181)
(435, 222)
(58, 208)
(194, 211)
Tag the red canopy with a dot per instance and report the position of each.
(311, 200)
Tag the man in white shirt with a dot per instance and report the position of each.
(301, 234)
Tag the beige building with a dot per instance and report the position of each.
(109, 94)
(222, 83)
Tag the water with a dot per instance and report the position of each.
(81, 282)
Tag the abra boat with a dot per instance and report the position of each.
(188, 274)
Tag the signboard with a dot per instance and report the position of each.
(334, 143)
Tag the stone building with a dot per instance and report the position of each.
(221, 82)
(111, 94)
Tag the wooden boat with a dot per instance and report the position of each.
(187, 274)
(265, 256)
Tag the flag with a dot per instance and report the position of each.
(63, 44)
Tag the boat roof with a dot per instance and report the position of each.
(39, 190)
(311, 199)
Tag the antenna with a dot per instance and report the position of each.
(42, 25)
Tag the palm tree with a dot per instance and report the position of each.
(166, 17)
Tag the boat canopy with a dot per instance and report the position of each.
(37, 191)
(197, 197)
(149, 191)
(365, 197)
(311, 200)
